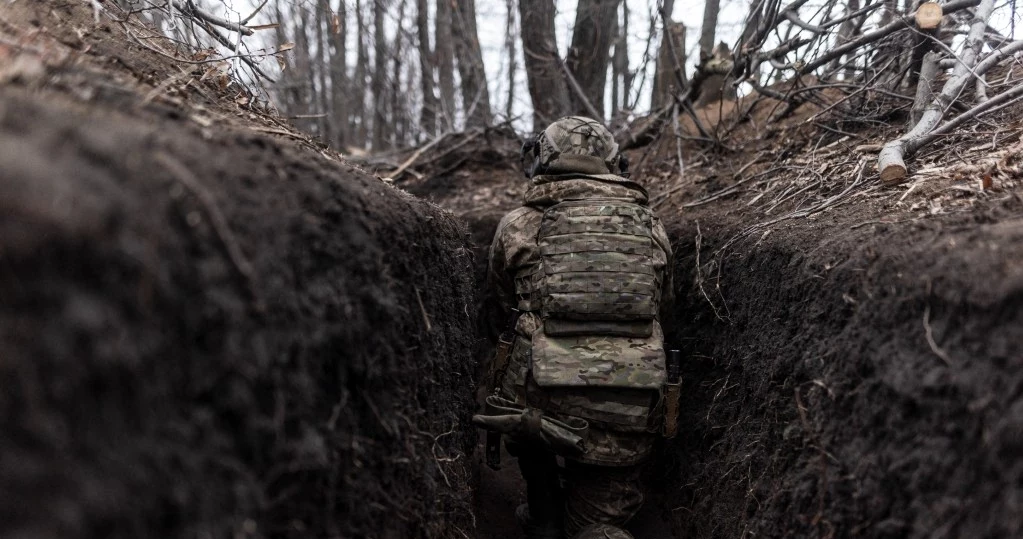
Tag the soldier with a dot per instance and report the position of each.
(585, 267)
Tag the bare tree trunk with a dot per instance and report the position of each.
(924, 89)
(924, 38)
(445, 64)
(628, 74)
(361, 73)
(673, 38)
(399, 118)
(304, 77)
(845, 32)
(339, 78)
(663, 60)
(547, 87)
(380, 126)
(509, 46)
(286, 87)
(616, 70)
(710, 23)
(428, 117)
(588, 58)
(322, 67)
(475, 95)
(670, 67)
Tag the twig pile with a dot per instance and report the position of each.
(883, 62)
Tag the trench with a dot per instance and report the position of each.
(208, 330)
(840, 381)
(290, 348)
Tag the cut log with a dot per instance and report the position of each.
(890, 161)
(928, 15)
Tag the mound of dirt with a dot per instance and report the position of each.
(207, 331)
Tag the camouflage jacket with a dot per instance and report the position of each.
(614, 439)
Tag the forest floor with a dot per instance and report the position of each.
(215, 325)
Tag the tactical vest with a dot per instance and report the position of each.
(596, 272)
(597, 289)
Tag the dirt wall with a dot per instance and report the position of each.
(853, 378)
(206, 331)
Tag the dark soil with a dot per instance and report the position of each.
(818, 407)
(856, 371)
(208, 331)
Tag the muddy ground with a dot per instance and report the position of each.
(210, 327)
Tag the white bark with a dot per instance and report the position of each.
(890, 161)
(924, 94)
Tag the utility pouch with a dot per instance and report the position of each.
(672, 390)
(498, 370)
(566, 437)
(499, 366)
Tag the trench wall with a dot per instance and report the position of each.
(851, 380)
(208, 332)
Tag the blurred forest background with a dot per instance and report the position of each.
(378, 75)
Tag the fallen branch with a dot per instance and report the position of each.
(783, 49)
(650, 126)
(793, 17)
(408, 162)
(998, 102)
(924, 94)
(890, 162)
(255, 12)
(853, 15)
(471, 135)
(998, 55)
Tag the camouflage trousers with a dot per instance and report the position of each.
(576, 495)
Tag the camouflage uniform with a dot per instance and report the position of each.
(612, 382)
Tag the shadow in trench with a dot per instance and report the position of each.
(501, 491)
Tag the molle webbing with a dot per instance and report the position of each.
(526, 293)
(596, 265)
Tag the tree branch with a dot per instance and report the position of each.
(895, 26)
(191, 9)
(998, 102)
(890, 160)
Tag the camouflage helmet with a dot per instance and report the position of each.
(577, 144)
(602, 531)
